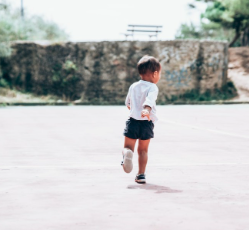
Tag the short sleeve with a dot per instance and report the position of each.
(128, 98)
(151, 97)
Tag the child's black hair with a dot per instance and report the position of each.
(148, 64)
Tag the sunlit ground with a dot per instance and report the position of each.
(60, 169)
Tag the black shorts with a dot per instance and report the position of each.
(139, 129)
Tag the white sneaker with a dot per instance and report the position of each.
(127, 161)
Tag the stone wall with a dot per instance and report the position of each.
(101, 72)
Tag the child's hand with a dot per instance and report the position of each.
(129, 107)
(145, 113)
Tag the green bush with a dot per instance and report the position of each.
(13, 27)
(3, 83)
(228, 91)
(65, 81)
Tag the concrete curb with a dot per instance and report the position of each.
(210, 103)
(82, 103)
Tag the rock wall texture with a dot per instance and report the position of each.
(101, 72)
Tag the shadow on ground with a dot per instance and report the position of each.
(156, 188)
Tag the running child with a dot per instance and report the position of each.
(141, 101)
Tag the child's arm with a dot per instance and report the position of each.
(128, 100)
(150, 101)
(146, 112)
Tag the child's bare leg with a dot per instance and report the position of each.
(142, 150)
(130, 143)
(127, 152)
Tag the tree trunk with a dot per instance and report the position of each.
(245, 37)
(237, 35)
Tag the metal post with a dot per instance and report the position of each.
(22, 10)
(157, 29)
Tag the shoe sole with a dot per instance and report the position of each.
(142, 181)
(127, 162)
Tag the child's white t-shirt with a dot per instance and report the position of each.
(140, 94)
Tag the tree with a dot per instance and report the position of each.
(188, 31)
(203, 31)
(13, 27)
(227, 19)
(231, 14)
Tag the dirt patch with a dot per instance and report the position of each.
(238, 71)
(12, 96)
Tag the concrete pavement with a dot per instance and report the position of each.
(60, 169)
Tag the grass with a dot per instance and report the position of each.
(227, 92)
(12, 96)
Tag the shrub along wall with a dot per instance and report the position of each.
(101, 72)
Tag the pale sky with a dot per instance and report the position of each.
(98, 20)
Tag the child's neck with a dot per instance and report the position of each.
(147, 79)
